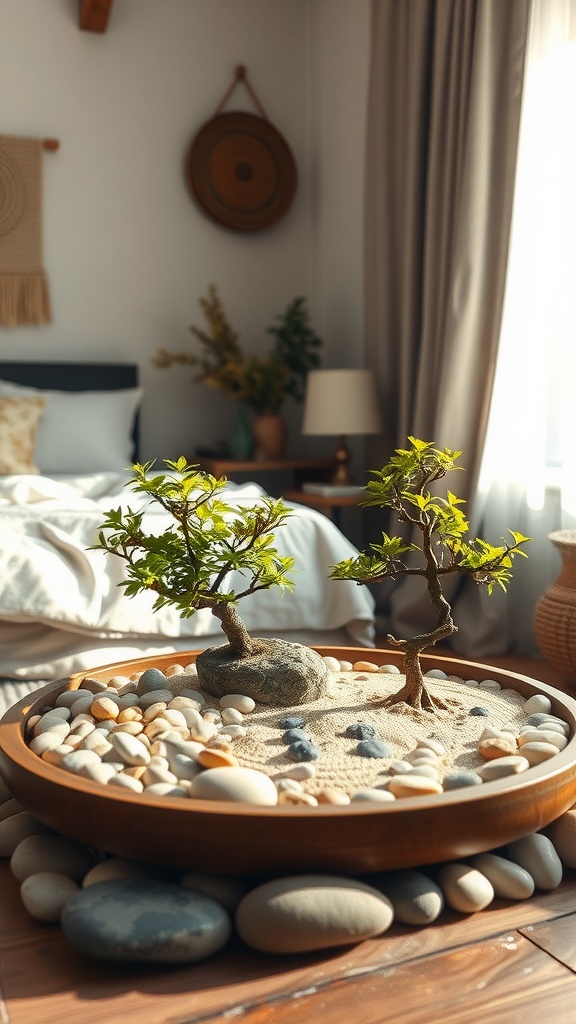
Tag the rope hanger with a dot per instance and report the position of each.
(241, 78)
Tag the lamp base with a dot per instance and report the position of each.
(341, 473)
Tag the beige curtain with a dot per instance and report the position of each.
(443, 115)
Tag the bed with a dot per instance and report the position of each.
(68, 436)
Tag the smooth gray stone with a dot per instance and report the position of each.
(416, 898)
(277, 673)
(151, 679)
(139, 920)
(458, 779)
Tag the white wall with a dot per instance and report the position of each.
(127, 251)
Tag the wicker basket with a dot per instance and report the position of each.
(555, 612)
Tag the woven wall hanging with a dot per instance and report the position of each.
(24, 297)
(239, 167)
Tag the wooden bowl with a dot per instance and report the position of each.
(247, 839)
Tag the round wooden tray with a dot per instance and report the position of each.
(252, 840)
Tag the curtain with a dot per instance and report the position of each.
(444, 105)
(528, 474)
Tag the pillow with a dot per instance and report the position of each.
(19, 419)
(82, 431)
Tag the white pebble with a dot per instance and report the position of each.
(413, 785)
(233, 731)
(531, 735)
(465, 889)
(539, 703)
(77, 760)
(304, 770)
(536, 753)
(231, 716)
(166, 789)
(490, 684)
(245, 705)
(500, 767)
(244, 785)
(436, 673)
(130, 749)
(332, 664)
(429, 743)
(126, 782)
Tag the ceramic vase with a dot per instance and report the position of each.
(555, 612)
(270, 434)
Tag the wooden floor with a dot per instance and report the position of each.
(513, 963)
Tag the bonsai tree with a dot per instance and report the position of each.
(188, 566)
(403, 485)
(260, 382)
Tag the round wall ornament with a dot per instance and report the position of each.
(240, 170)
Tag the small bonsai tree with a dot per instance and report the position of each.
(403, 485)
(188, 566)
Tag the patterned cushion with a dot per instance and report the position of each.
(19, 419)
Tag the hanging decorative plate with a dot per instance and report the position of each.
(241, 170)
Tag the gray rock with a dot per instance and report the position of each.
(139, 920)
(306, 912)
(459, 779)
(151, 679)
(278, 673)
(416, 898)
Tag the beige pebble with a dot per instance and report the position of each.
(94, 685)
(154, 773)
(365, 666)
(131, 714)
(98, 742)
(100, 772)
(16, 828)
(103, 707)
(117, 682)
(293, 785)
(45, 894)
(465, 888)
(509, 880)
(214, 758)
(183, 767)
(124, 781)
(173, 670)
(243, 785)
(300, 913)
(558, 739)
(77, 760)
(536, 753)
(372, 795)
(413, 785)
(47, 740)
(430, 771)
(497, 746)
(50, 853)
(500, 767)
(302, 771)
(539, 703)
(333, 795)
(238, 701)
(429, 743)
(153, 710)
(166, 789)
(401, 767)
(490, 684)
(131, 728)
(54, 755)
(119, 867)
(130, 749)
(137, 771)
(233, 732)
(332, 664)
(288, 798)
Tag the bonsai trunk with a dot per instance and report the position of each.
(237, 635)
(414, 692)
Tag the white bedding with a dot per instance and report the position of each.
(62, 611)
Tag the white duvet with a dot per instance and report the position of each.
(61, 609)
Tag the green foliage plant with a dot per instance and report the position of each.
(187, 566)
(262, 383)
(403, 485)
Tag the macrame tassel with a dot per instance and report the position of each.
(24, 299)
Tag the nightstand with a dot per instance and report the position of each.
(300, 469)
(330, 504)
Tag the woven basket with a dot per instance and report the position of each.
(555, 612)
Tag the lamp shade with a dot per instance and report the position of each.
(341, 402)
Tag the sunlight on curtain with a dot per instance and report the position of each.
(528, 474)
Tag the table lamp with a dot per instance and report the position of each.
(340, 403)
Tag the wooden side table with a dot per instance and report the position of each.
(301, 469)
(330, 504)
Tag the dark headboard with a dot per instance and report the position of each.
(60, 376)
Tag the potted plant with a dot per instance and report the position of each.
(259, 383)
(189, 566)
(403, 485)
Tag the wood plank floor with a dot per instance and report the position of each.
(513, 963)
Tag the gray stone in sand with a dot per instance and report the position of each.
(278, 673)
(151, 679)
(139, 920)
